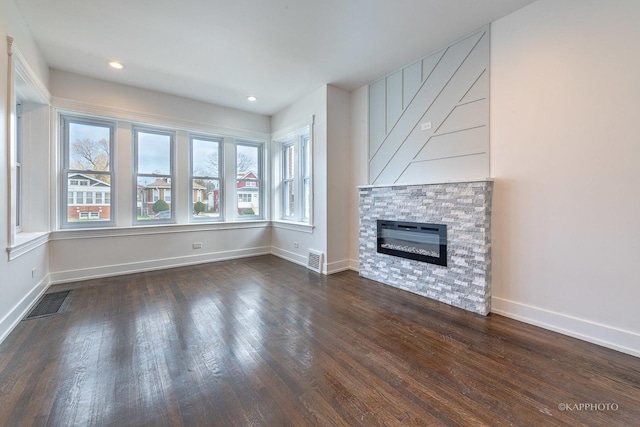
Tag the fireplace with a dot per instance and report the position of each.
(464, 209)
(413, 240)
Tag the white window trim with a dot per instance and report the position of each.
(297, 137)
(171, 176)
(289, 180)
(19, 178)
(260, 181)
(305, 175)
(64, 120)
(295, 226)
(20, 242)
(26, 242)
(219, 178)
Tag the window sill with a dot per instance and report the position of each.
(138, 230)
(26, 242)
(295, 226)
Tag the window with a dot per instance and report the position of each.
(249, 179)
(222, 178)
(306, 178)
(28, 140)
(206, 184)
(19, 166)
(288, 180)
(295, 181)
(87, 160)
(153, 174)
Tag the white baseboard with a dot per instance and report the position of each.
(20, 310)
(327, 268)
(354, 265)
(607, 336)
(337, 266)
(289, 256)
(157, 264)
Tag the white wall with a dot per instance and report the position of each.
(330, 108)
(448, 91)
(565, 97)
(76, 255)
(19, 287)
(359, 168)
(151, 105)
(36, 137)
(338, 161)
(283, 239)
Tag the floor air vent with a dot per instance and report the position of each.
(314, 262)
(48, 305)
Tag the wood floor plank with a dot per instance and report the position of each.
(263, 342)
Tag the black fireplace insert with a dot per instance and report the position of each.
(413, 240)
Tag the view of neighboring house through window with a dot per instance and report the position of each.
(296, 176)
(225, 174)
(249, 180)
(87, 172)
(206, 188)
(153, 174)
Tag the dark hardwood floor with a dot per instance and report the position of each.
(265, 342)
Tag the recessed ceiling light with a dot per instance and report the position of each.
(117, 65)
(252, 98)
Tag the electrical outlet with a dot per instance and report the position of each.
(425, 126)
(197, 245)
(296, 245)
(33, 272)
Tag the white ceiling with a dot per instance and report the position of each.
(220, 51)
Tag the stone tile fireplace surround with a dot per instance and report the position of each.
(465, 208)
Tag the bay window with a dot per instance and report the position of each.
(174, 176)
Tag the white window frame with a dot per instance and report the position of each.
(301, 141)
(170, 177)
(289, 181)
(306, 149)
(128, 200)
(27, 220)
(258, 182)
(18, 159)
(65, 121)
(219, 178)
